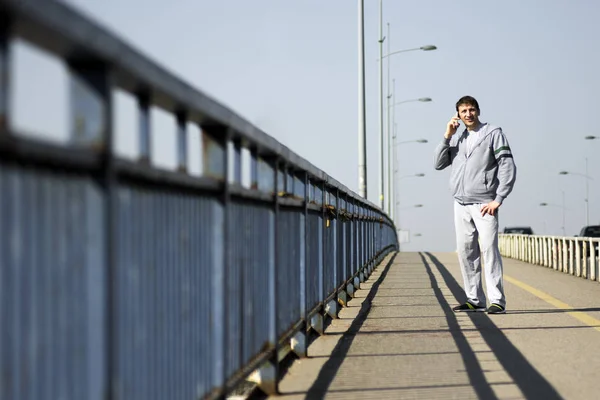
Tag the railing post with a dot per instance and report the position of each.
(331, 307)
(303, 294)
(361, 275)
(297, 187)
(91, 111)
(266, 375)
(559, 251)
(363, 244)
(181, 119)
(571, 258)
(215, 163)
(316, 320)
(520, 250)
(566, 256)
(592, 258)
(237, 162)
(557, 246)
(342, 296)
(561, 255)
(144, 128)
(353, 246)
(272, 387)
(550, 252)
(554, 252)
(349, 239)
(578, 267)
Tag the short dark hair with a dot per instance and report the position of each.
(469, 100)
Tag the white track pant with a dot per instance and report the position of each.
(473, 230)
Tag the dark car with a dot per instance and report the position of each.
(520, 230)
(590, 231)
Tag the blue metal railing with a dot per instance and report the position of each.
(121, 280)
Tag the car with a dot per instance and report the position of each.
(590, 231)
(519, 230)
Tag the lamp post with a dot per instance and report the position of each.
(362, 131)
(587, 178)
(381, 129)
(418, 175)
(392, 145)
(381, 144)
(544, 204)
(589, 137)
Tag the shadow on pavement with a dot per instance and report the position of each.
(331, 366)
(474, 370)
(532, 384)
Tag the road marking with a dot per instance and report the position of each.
(580, 315)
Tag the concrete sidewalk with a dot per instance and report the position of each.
(400, 339)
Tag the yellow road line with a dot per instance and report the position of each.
(580, 315)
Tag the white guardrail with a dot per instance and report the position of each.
(577, 256)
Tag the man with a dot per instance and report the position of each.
(483, 175)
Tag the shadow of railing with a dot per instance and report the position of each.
(529, 380)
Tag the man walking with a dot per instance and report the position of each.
(483, 175)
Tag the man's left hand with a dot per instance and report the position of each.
(490, 208)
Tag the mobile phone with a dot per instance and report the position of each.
(457, 122)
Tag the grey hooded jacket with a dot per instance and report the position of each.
(487, 173)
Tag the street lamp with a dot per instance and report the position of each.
(544, 204)
(391, 191)
(381, 133)
(421, 99)
(587, 179)
(407, 207)
(428, 47)
(362, 128)
(410, 141)
(419, 175)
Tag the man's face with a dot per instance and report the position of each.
(469, 115)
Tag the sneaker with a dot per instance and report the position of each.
(496, 309)
(468, 307)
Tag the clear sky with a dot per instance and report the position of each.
(291, 67)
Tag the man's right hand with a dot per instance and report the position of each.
(452, 126)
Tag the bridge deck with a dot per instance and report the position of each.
(400, 339)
